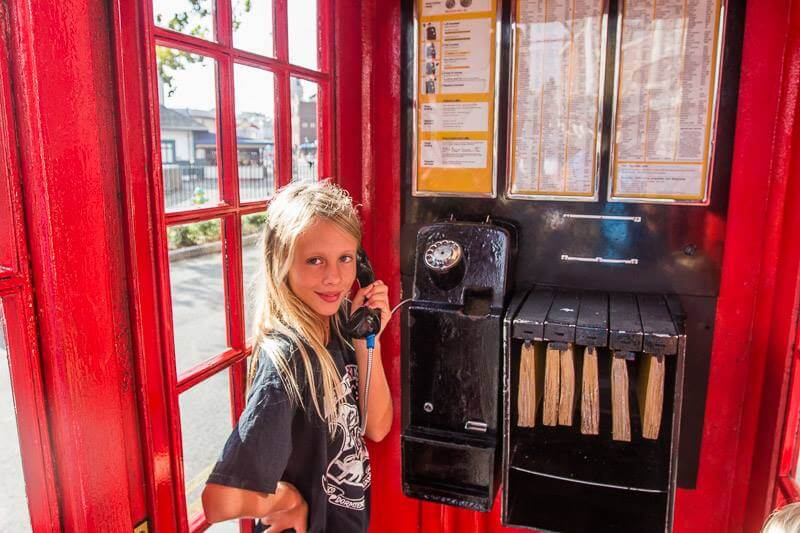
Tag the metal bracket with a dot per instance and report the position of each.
(603, 217)
(632, 261)
(476, 426)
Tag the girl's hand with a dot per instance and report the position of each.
(294, 518)
(376, 296)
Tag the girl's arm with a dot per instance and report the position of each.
(379, 417)
(224, 503)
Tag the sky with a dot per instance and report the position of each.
(254, 90)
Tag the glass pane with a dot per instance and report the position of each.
(303, 33)
(187, 99)
(252, 26)
(255, 131)
(304, 129)
(198, 297)
(14, 504)
(252, 263)
(231, 526)
(205, 425)
(192, 17)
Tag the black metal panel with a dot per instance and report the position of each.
(556, 504)
(529, 322)
(592, 326)
(625, 326)
(449, 469)
(660, 337)
(452, 385)
(455, 369)
(561, 319)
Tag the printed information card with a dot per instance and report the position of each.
(665, 100)
(556, 99)
(455, 115)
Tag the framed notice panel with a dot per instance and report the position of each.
(665, 100)
(456, 89)
(558, 54)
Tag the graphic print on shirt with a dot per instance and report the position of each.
(348, 474)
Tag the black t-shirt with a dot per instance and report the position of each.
(278, 440)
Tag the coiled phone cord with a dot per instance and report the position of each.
(370, 351)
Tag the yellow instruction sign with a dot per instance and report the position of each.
(455, 95)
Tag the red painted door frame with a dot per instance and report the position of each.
(98, 328)
(65, 108)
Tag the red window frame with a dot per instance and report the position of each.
(148, 219)
(16, 300)
(787, 486)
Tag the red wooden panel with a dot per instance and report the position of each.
(19, 326)
(66, 127)
(8, 171)
(777, 297)
(26, 383)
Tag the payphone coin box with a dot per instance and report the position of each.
(450, 445)
(563, 477)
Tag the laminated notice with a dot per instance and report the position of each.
(556, 98)
(665, 100)
(455, 112)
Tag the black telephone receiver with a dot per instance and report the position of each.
(365, 321)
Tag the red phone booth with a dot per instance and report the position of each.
(141, 142)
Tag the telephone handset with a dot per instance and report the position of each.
(365, 322)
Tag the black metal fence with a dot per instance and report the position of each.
(190, 185)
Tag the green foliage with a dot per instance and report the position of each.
(193, 234)
(253, 223)
(169, 60)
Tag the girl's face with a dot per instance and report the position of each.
(324, 267)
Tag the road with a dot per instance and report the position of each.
(199, 316)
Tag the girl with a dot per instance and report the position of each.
(297, 458)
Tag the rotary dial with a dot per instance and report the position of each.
(443, 255)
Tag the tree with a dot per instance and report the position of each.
(170, 60)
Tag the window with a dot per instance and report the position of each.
(167, 151)
(244, 90)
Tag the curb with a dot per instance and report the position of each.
(208, 248)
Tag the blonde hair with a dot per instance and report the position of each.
(784, 520)
(294, 209)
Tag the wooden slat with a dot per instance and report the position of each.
(659, 334)
(552, 378)
(562, 317)
(529, 322)
(650, 391)
(591, 328)
(531, 383)
(566, 396)
(625, 325)
(590, 393)
(620, 410)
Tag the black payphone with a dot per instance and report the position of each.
(450, 444)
